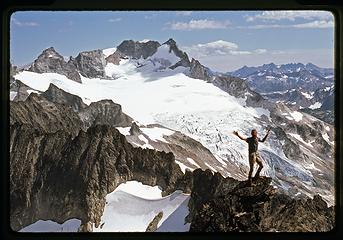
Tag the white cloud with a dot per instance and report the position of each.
(23, 24)
(199, 25)
(260, 51)
(290, 15)
(313, 24)
(218, 48)
(112, 20)
(184, 13)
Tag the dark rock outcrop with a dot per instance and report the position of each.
(115, 57)
(104, 112)
(90, 63)
(232, 85)
(58, 95)
(20, 89)
(220, 204)
(134, 130)
(138, 49)
(51, 61)
(198, 71)
(152, 227)
(43, 115)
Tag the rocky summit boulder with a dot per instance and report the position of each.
(136, 49)
(50, 61)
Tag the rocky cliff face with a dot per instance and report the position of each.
(57, 95)
(101, 112)
(220, 204)
(52, 62)
(115, 57)
(58, 171)
(90, 63)
(104, 112)
(137, 49)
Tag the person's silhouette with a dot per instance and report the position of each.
(253, 153)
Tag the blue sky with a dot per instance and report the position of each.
(221, 40)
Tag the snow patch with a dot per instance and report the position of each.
(193, 162)
(31, 91)
(297, 116)
(144, 40)
(315, 105)
(298, 137)
(210, 167)
(156, 133)
(12, 95)
(327, 139)
(183, 166)
(71, 225)
(146, 142)
(141, 190)
(127, 209)
(307, 95)
(108, 51)
(124, 130)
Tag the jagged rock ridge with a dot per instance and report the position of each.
(220, 204)
(47, 163)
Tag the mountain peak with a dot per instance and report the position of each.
(170, 42)
(50, 52)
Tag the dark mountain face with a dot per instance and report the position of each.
(90, 63)
(137, 49)
(53, 62)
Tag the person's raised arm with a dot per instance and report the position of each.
(237, 134)
(265, 137)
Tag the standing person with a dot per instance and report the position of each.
(253, 154)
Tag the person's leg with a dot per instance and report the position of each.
(252, 158)
(260, 165)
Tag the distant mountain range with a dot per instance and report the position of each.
(307, 88)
